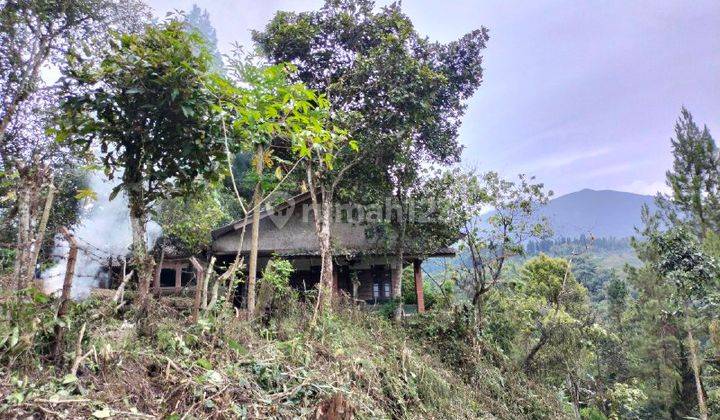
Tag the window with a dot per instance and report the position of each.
(187, 277)
(167, 277)
(376, 290)
(386, 286)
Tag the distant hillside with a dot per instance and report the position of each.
(604, 213)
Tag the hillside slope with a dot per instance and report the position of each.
(290, 365)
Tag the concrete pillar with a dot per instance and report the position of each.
(419, 285)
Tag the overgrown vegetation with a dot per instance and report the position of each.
(350, 362)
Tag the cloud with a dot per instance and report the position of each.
(646, 187)
(563, 159)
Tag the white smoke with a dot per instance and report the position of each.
(102, 232)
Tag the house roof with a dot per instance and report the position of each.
(295, 236)
(239, 223)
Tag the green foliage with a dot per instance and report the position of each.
(694, 178)
(277, 274)
(493, 238)
(626, 401)
(23, 333)
(682, 261)
(149, 106)
(397, 94)
(592, 413)
(284, 368)
(191, 219)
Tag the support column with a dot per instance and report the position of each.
(178, 278)
(419, 285)
(336, 285)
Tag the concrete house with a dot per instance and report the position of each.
(362, 266)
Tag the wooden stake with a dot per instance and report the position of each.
(419, 285)
(65, 294)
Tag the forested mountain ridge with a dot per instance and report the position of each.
(600, 213)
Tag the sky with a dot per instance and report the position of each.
(577, 94)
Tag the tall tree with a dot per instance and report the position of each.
(694, 178)
(402, 96)
(33, 35)
(199, 20)
(150, 107)
(272, 115)
(692, 275)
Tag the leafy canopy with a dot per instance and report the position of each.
(149, 107)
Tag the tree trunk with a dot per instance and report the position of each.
(396, 290)
(23, 237)
(206, 283)
(326, 273)
(396, 280)
(199, 280)
(528, 362)
(255, 234)
(144, 267)
(322, 216)
(158, 273)
(702, 406)
(40, 234)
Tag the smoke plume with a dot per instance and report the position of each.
(103, 232)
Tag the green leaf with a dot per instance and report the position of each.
(354, 145)
(234, 345)
(204, 363)
(86, 193)
(69, 379)
(15, 336)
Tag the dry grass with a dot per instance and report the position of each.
(350, 364)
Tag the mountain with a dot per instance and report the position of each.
(604, 213)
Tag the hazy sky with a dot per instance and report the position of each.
(580, 94)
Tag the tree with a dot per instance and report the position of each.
(191, 219)
(199, 20)
(35, 34)
(556, 312)
(491, 238)
(617, 294)
(692, 274)
(268, 113)
(396, 93)
(149, 106)
(694, 178)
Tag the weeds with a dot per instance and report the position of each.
(351, 364)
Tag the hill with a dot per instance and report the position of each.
(602, 214)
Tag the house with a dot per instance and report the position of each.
(363, 266)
